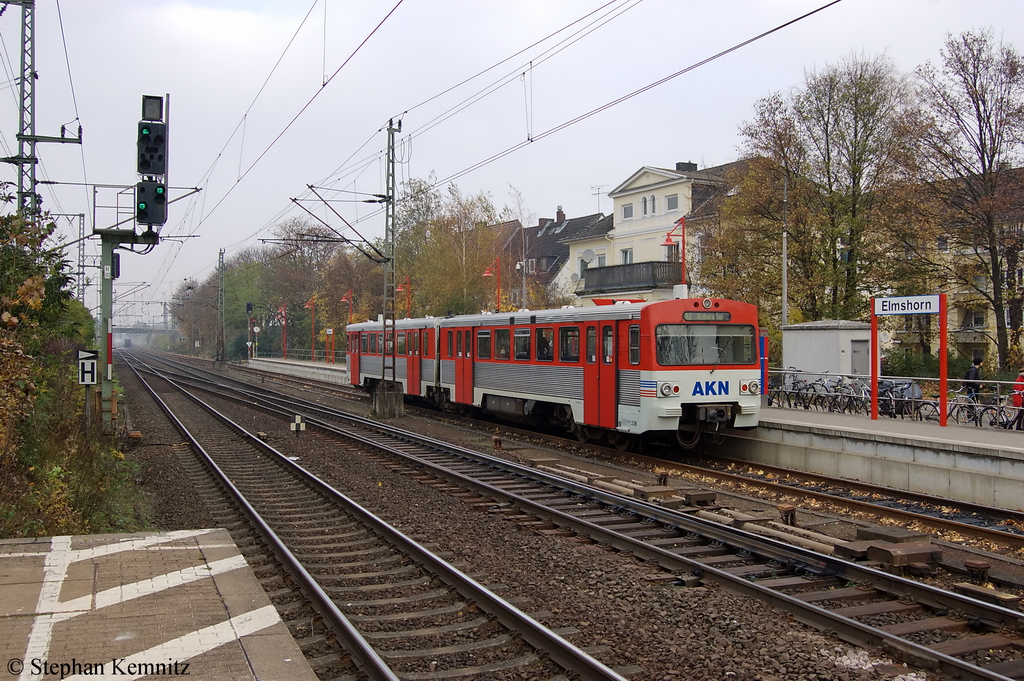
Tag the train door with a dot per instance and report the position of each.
(599, 408)
(464, 366)
(412, 367)
(353, 359)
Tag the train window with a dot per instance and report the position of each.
(364, 343)
(451, 345)
(591, 344)
(545, 344)
(522, 344)
(569, 344)
(426, 343)
(401, 343)
(469, 343)
(706, 344)
(634, 344)
(373, 343)
(458, 344)
(607, 344)
(389, 349)
(502, 343)
(483, 344)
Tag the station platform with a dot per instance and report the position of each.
(122, 606)
(952, 435)
(976, 464)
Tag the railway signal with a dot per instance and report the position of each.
(150, 203)
(152, 148)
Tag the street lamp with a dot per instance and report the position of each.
(347, 298)
(407, 287)
(681, 228)
(496, 264)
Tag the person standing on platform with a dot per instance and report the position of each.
(1017, 422)
(972, 379)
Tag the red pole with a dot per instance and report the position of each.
(943, 360)
(874, 362)
(498, 260)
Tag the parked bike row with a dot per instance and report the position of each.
(897, 398)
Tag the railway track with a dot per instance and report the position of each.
(1001, 526)
(922, 625)
(399, 610)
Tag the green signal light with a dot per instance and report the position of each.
(142, 206)
(159, 190)
(145, 131)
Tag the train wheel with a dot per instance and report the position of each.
(622, 441)
(579, 431)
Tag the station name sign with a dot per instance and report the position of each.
(907, 305)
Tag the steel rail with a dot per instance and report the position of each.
(558, 649)
(369, 661)
(798, 559)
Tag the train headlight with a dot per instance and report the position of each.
(665, 389)
(750, 388)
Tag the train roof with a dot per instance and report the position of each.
(565, 314)
(522, 317)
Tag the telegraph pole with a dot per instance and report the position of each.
(388, 400)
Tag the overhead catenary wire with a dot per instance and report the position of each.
(363, 165)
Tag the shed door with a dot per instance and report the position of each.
(860, 357)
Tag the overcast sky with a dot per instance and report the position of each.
(252, 123)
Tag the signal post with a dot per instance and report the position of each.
(150, 210)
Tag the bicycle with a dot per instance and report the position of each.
(1001, 414)
(964, 408)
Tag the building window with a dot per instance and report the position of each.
(583, 268)
(654, 205)
(672, 202)
(643, 202)
(601, 260)
(531, 265)
(626, 256)
(627, 211)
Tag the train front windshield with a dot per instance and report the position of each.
(705, 344)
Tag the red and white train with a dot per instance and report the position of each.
(618, 371)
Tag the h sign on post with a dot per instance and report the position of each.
(87, 366)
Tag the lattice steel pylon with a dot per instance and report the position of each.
(390, 357)
(26, 160)
(27, 198)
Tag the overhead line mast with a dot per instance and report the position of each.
(26, 160)
(388, 399)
